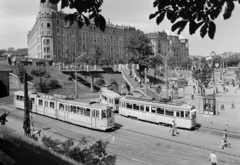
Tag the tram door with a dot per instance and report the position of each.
(95, 118)
(66, 113)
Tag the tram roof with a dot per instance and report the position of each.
(110, 93)
(157, 103)
(85, 104)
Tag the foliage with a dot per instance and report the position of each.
(237, 72)
(100, 82)
(232, 61)
(113, 85)
(83, 153)
(39, 72)
(9, 61)
(202, 73)
(127, 87)
(154, 62)
(44, 85)
(186, 63)
(15, 143)
(216, 59)
(83, 8)
(21, 71)
(138, 49)
(198, 13)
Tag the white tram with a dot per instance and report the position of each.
(92, 115)
(184, 115)
(110, 98)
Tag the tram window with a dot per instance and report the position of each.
(73, 109)
(51, 104)
(182, 113)
(116, 101)
(153, 109)
(129, 105)
(187, 114)
(97, 113)
(40, 102)
(193, 114)
(109, 113)
(169, 112)
(21, 98)
(104, 97)
(142, 107)
(33, 100)
(46, 103)
(87, 112)
(104, 114)
(147, 108)
(93, 113)
(160, 110)
(136, 107)
(61, 107)
(80, 110)
(18, 97)
(178, 113)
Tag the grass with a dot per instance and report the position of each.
(13, 144)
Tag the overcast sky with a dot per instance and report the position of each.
(18, 16)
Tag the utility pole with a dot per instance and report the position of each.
(166, 77)
(26, 122)
(76, 84)
(146, 81)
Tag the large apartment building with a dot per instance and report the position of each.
(52, 38)
(163, 41)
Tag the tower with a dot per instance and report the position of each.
(46, 26)
(47, 7)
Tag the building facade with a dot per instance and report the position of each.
(52, 38)
(165, 41)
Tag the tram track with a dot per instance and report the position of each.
(145, 143)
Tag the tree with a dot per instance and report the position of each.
(138, 49)
(186, 63)
(21, 71)
(232, 61)
(83, 8)
(9, 60)
(202, 73)
(113, 85)
(154, 62)
(198, 13)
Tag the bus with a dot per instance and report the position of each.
(110, 98)
(161, 113)
(92, 115)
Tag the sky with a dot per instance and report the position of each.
(17, 18)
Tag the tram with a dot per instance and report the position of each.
(92, 115)
(110, 98)
(184, 115)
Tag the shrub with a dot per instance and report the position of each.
(99, 82)
(39, 72)
(113, 85)
(70, 78)
(53, 84)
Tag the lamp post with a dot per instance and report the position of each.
(166, 57)
(76, 86)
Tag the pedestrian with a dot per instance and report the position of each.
(213, 158)
(235, 89)
(192, 96)
(233, 105)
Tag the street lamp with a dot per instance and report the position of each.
(76, 87)
(211, 65)
(166, 58)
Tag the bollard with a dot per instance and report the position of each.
(227, 125)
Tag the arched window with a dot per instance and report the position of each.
(42, 25)
(48, 25)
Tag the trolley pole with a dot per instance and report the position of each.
(26, 122)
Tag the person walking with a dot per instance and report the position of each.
(233, 105)
(213, 158)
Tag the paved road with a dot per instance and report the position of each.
(138, 142)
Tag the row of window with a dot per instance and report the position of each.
(156, 110)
